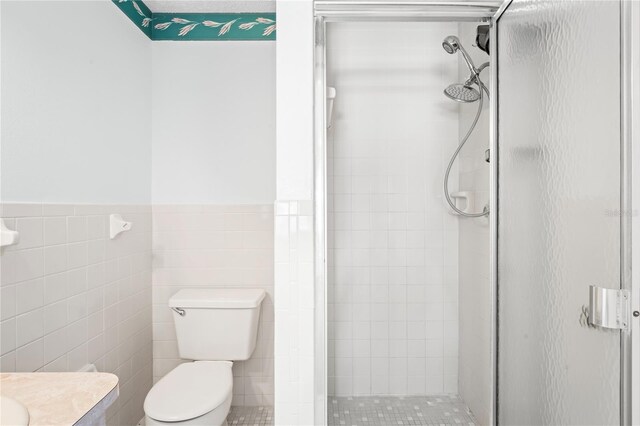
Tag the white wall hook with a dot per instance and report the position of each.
(118, 225)
(7, 236)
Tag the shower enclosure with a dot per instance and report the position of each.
(425, 315)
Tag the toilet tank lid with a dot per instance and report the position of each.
(220, 298)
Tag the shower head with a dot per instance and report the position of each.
(462, 93)
(451, 44)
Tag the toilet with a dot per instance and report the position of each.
(214, 327)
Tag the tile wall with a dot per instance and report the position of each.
(392, 243)
(215, 246)
(474, 251)
(294, 341)
(71, 296)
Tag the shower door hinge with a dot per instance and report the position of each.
(608, 308)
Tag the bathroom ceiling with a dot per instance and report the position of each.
(211, 6)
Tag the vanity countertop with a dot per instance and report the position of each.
(61, 398)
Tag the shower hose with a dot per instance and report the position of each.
(485, 212)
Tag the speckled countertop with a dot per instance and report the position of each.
(61, 398)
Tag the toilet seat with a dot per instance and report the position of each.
(190, 390)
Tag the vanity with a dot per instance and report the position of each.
(56, 398)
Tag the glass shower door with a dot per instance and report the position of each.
(559, 202)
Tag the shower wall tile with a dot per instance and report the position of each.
(294, 343)
(60, 310)
(474, 245)
(215, 246)
(392, 244)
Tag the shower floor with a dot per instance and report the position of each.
(250, 416)
(410, 410)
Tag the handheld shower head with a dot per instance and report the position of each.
(451, 44)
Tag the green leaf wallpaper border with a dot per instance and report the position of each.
(139, 14)
(199, 26)
(214, 26)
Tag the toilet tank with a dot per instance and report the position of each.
(216, 324)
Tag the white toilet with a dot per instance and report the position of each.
(214, 328)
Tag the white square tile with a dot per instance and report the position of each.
(8, 362)
(7, 302)
(55, 316)
(77, 255)
(416, 385)
(55, 259)
(29, 327)
(29, 295)
(59, 365)
(30, 357)
(96, 227)
(380, 385)
(77, 358)
(77, 307)
(21, 265)
(77, 281)
(55, 230)
(7, 336)
(56, 287)
(55, 345)
(31, 232)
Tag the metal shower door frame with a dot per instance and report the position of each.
(630, 176)
(629, 204)
(349, 11)
(630, 131)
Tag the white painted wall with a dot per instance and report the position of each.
(213, 122)
(76, 117)
(474, 250)
(295, 100)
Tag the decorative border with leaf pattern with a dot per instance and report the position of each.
(139, 14)
(199, 26)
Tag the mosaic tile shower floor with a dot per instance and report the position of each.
(250, 416)
(440, 410)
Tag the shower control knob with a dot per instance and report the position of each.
(636, 314)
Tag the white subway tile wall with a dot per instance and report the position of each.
(392, 243)
(71, 296)
(215, 246)
(294, 341)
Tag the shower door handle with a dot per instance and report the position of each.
(608, 308)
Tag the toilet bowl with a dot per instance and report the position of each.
(193, 393)
(214, 327)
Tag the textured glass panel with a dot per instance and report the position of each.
(559, 184)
